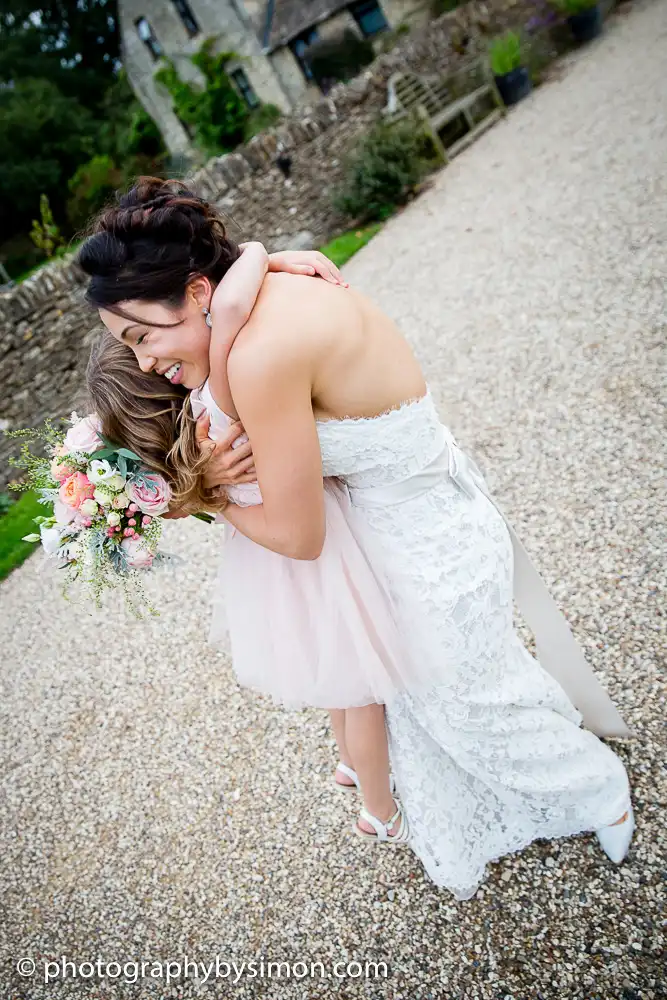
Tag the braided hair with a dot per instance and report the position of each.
(158, 237)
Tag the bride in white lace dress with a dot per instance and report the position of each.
(486, 746)
(489, 756)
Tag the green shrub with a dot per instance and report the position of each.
(505, 53)
(45, 233)
(381, 172)
(143, 136)
(338, 58)
(216, 115)
(93, 184)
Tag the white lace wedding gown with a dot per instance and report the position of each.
(489, 754)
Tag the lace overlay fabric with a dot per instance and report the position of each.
(489, 754)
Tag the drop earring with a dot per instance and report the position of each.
(208, 319)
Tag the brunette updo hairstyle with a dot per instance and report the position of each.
(157, 238)
(148, 247)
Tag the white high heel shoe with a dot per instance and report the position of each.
(351, 773)
(382, 835)
(615, 840)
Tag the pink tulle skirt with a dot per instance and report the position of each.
(318, 633)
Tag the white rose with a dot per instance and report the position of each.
(63, 513)
(89, 508)
(51, 538)
(120, 501)
(116, 482)
(99, 471)
(113, 518)
(103, 497)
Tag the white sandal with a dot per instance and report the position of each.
(382, 834)
(356, 787)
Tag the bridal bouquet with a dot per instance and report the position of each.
(105, 524)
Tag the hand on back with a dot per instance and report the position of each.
(311, 262)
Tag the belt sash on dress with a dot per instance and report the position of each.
(557, 649)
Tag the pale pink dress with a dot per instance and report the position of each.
(319, 632)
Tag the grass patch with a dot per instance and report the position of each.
(346, 245)
(16, 523)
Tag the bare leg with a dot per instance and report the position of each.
(366, 740)
(337, 716)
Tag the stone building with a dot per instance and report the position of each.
(270, 37)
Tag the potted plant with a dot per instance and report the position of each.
(583, 16)
(511, 75)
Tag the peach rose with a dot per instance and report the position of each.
(75, 489)
(59, 471)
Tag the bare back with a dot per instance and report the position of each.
(361, 364)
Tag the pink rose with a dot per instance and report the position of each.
(83, 436)
(60, 472)
(150, 492)
(138, 556)
(75, 489)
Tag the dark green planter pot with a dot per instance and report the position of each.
(514, 86)
(587, 25)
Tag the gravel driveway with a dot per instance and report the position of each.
(153, 810)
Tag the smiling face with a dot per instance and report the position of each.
(171, 341)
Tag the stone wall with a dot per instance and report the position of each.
(45, 327)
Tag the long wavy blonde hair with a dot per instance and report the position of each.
(143, 412)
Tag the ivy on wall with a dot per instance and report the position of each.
(217, 114)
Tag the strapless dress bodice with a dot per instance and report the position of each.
(376, 451)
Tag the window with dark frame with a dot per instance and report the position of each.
(299, 45)
(187, 17)
(147, 36)
(245, 88)
(369, 16)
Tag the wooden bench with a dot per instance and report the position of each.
(445, 101)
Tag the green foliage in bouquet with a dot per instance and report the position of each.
(35, 468)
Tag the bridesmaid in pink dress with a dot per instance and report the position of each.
(309, 633)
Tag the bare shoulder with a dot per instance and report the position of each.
(296, 300)
(290, 325)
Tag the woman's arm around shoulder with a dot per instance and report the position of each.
(271, 376)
